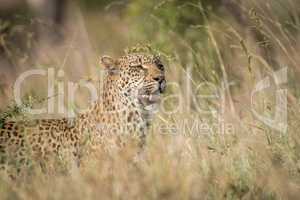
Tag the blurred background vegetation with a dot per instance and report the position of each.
(47, 33)
(229, 43)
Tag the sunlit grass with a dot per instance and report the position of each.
(250, 161)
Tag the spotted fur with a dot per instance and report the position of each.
(132, 87)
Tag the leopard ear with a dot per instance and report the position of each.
(108, 62)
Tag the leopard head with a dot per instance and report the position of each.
(137, 76)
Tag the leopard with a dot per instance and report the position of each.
(132, 89)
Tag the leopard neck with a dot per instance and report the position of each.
(114, 104)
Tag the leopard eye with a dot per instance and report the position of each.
(140, 67)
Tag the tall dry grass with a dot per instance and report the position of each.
(247, 160)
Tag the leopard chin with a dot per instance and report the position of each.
(149, 104)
